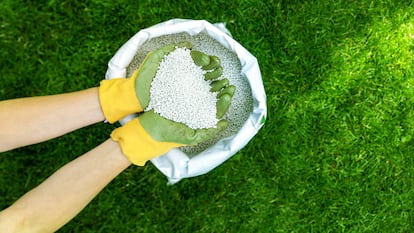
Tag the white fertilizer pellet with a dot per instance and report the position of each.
(242, 103)
(180, 93)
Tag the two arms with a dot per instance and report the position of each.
(65, 193)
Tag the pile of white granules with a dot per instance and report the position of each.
(180, 93)
(242, 103)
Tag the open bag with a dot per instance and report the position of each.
(176, 164)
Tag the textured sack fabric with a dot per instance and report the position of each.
(176, 165)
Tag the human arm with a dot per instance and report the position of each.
(31, 120)
(64, 194)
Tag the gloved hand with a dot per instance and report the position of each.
(122, 96)
(151, 135)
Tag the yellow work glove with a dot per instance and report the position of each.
(120, 97)
(151, 135)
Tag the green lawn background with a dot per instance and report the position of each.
(336, 153)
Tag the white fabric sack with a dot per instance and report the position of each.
(175, 164)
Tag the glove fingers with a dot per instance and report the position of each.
(217, 85)
(155, 57)
(200, 58)
(205, 61)
(208, 63)
(222, 105)
(227, 90)
(214, 74)
(202, 135)
(164, 130)
(214, 63)
(224, 97)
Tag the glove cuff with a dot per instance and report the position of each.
(118, 99)
(137, 145)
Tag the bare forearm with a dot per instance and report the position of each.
(31, 120)
(64, 194)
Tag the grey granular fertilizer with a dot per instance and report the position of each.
(242, 104)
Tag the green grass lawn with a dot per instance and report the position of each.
(336, 153)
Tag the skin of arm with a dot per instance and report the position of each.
(64, 194)
(27, 121)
